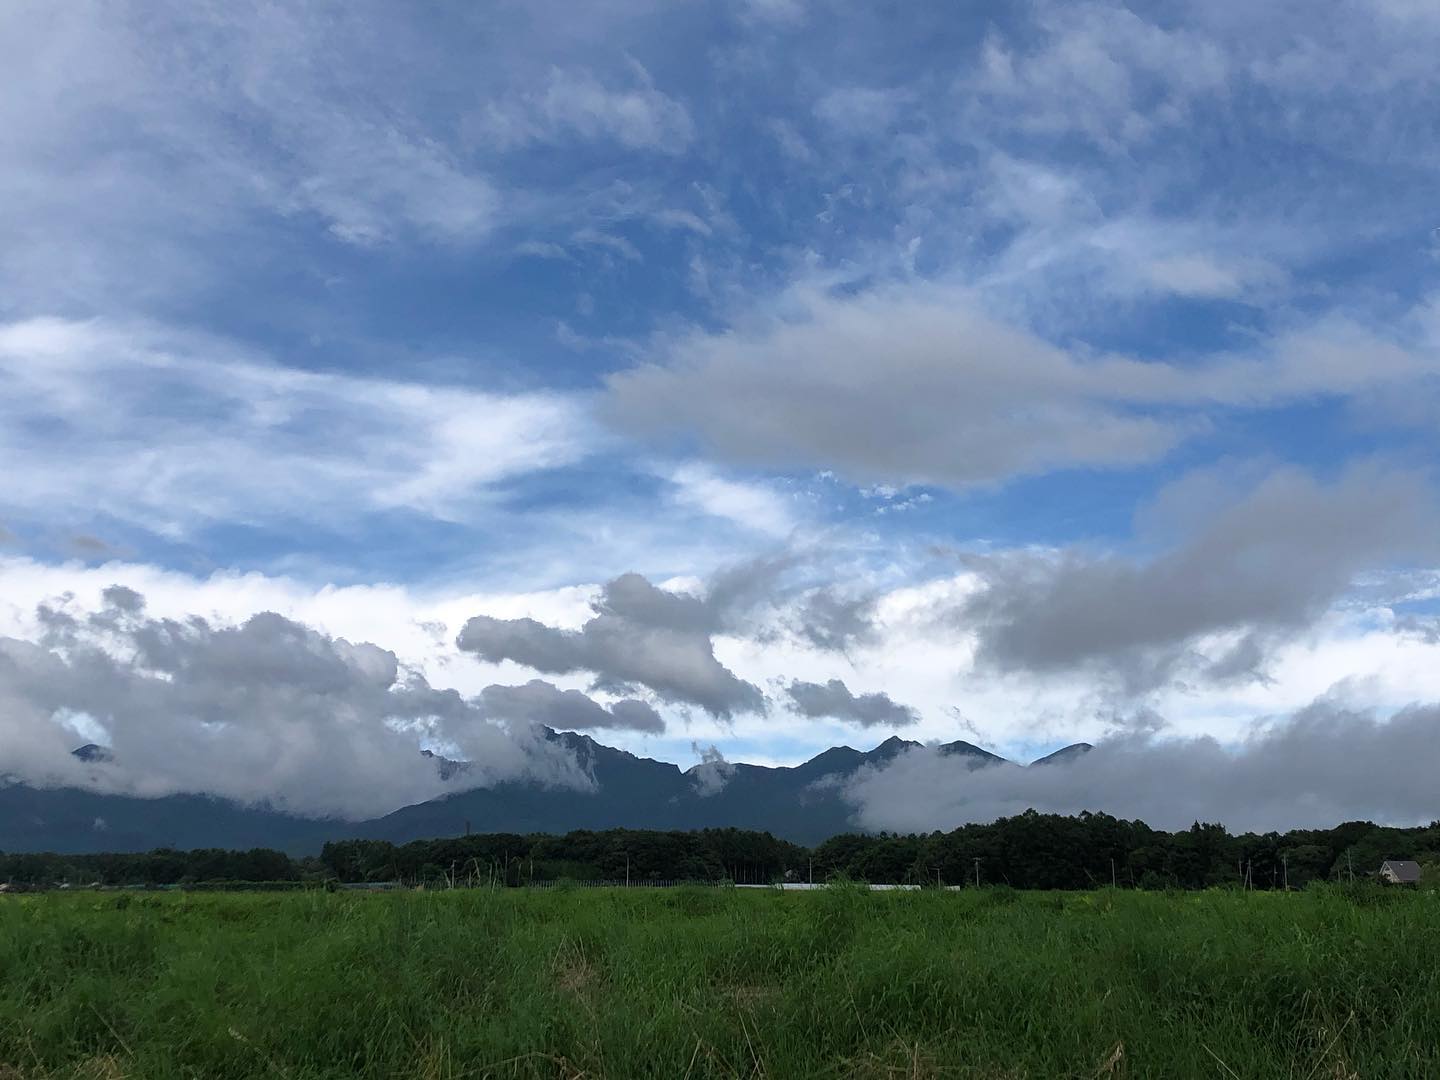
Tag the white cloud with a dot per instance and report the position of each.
(577, 103)
(1099, 70)
(168, 429)
(370, 183)
(1204, 276)
(749, 504)
(596, 238)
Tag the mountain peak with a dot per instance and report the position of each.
(967, 749)
(1065, 754)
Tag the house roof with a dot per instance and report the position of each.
(1403, 869)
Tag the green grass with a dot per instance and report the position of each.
(707, 983)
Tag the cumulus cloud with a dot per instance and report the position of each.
(834, 700)
(1321, 765)
(1248, 571)
(640, 634)
(540, 702)
(167, 429)
(266, 710)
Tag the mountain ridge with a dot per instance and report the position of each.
(801, 802)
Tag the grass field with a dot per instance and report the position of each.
(715, 982)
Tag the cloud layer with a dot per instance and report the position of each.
(1314, 769)
(267, 710)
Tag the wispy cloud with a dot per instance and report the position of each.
(577, 103)
(169, 429)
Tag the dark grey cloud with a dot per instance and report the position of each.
(1322, 765)
(1422, 629)
(123, 599)
(833, 699)
(921, 384)
(1244, 574)
(266, 710)
(893, 388)
(831, 620)
(540, 702)
(640, 635)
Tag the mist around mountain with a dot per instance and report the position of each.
(802, 803)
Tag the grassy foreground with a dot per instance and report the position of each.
(696, 983)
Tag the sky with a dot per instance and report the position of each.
(736, 378)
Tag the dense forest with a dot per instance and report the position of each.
(1028, 851)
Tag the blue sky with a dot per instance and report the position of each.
(968, 317)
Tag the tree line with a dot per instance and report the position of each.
(1027, 851)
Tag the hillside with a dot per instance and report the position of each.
(800, 803)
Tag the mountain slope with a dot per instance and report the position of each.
(74, 820)
(800, 803)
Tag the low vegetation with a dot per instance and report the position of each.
(1331, 982)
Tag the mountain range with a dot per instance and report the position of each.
(802, 803)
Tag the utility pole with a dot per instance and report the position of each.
(1350, 861)
(627, 869)
(977, 873)
(1112, 873)
(1285, 862)
(812, 869)
(937, 878)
